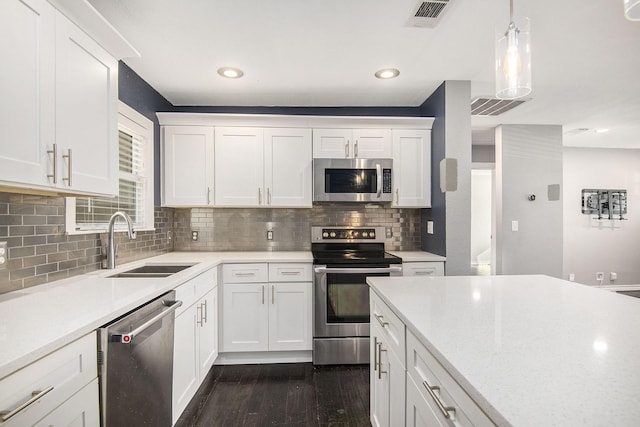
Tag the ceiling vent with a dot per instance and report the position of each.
(428, 13)
(493, 106)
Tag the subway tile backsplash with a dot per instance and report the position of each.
(39, 251)
(221, 229)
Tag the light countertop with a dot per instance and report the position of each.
(417, 256)
(38, 320)
(529, 350)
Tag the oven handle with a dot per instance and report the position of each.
(357, 270)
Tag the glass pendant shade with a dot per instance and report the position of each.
(513, 60)
(632, 10)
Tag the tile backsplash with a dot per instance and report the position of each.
(222, 229)
(39, 251)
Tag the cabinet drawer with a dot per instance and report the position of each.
(390, 326)
(245, 273)
(63, 372)
(192, 290)
(290, 272)
(425, 371)
(423, 269)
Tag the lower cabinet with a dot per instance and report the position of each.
(60, 389)
(267, 315)
(195, 338)
(387, 372)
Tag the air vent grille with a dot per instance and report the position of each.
(431, 9)
(493, 106)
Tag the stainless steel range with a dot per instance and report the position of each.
(343, 257)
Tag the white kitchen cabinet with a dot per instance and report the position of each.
(257, 167)
(56, 379)
(387, 373)
(261, 315)
(439, 399)
(60, 132)
(288, 167)
(195, 337)
(430, 268)
(352, 143)
(187, 157)
(412, 168)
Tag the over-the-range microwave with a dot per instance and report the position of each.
(352, 180)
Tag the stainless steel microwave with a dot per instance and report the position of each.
(352, 180)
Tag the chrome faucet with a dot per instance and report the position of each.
(111, 249)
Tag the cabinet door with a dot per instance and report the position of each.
(239, 170)
(419, 412)
(290, 316)
(86, 112)
(372, 143)
(188, 165)
(332, 144)
(27, 48)
(379, 383)
(288, 167)
(80, 410)
(185, 360)
(412, 168)
(208, 332)
(246, 317)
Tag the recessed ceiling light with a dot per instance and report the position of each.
(387, 73)
(602, 130)
(230, 72)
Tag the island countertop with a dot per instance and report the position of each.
(529, 350)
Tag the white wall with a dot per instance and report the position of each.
(528, 159)
(481, 203)
(592, 245)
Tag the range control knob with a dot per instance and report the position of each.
(332, 234)
(365, 234)
(372, 234)
(325, 234)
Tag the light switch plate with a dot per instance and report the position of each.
(429, 227)
(4, 255)
(514, 225)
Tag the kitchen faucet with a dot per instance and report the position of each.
(111, 249)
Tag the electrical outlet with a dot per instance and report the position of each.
(388, 233)
(269, 234)
(4, 255)
(572, 277)
(194, 236)
(600, 276)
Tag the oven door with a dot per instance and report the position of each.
(341, 299)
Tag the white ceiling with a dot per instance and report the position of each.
(585, 60)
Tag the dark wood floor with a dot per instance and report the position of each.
(297, 394)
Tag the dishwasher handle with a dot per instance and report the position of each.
(355, 270)
(126, 338)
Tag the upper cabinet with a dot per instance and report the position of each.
(352, 143)
(411, 168)
(187, 158)
(59, 132)
(256, 167)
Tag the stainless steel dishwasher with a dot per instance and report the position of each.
(135, 365)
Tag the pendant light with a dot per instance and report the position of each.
(632, 10)
(513, 59)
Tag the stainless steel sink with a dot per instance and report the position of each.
(152, 270)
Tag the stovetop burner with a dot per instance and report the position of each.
(350, 245)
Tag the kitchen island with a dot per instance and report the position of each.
(527, 350)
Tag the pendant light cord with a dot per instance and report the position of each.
(510, 10)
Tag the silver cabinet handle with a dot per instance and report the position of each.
(208, 195)
(69, 157)
(380, 371)
(126, 338)
(382, 322)
(379, 176)
(273, 294)
(290, 273)
(355, 149)
(397, 196)
(425, 272)
(269, 196)
(346, 149)
(205, 314)
(259, 196)
(375, 353)
(199, 319)
(262, 294)
(248, 273)
(35, 395)
(444, 409)
(54, 153)
(357, 270)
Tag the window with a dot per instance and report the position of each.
(135, 178)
